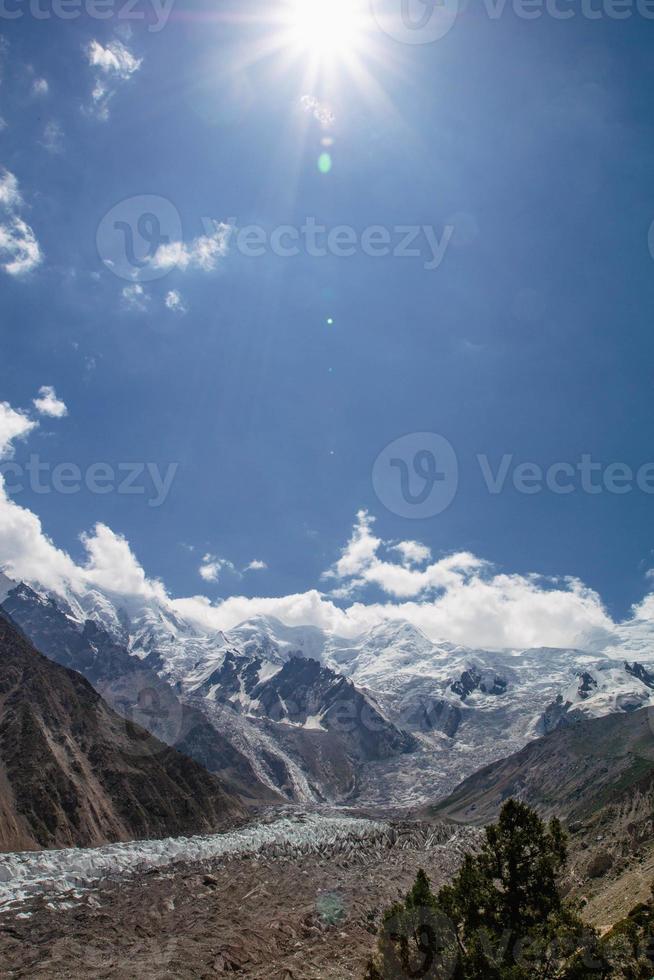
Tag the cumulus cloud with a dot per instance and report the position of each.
(26, 552)
(111, 65)
(135, 298)
(211, 568)
(13, 425)
(111, 565)
(202, 253)
(360, 565)
(412, 552)
(20, 251)
(47, 403)
(175, 302)
(40, 87)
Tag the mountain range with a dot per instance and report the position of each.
(298, 713)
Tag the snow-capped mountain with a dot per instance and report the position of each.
(251, 706)
(389, 716)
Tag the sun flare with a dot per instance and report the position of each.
(326, 28)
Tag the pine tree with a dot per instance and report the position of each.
(416, 939)
(501, 918)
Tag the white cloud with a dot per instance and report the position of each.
(28, 553)
(10, 196)
(115, 59)
(202, 253)
(40, 87)
(175, 302)
(20, 252)
(13, 425)
(47, 403)
(111, 565)
(212, 567)
(135, 298)
(112, 65)
(360, 565)
(53, 137)
(412, 552)
(19, 249)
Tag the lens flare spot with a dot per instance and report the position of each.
(325, 163)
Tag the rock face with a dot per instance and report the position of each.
(433, 715)
(471, 680)
(555, 715)
(74, 773)
(640, 673)
(303, 693)
(308, 727)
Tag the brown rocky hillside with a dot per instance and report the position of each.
(74, 773)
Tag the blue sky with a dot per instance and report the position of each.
(532, 140)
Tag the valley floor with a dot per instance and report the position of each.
(278, 914)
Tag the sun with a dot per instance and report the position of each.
(325, 29)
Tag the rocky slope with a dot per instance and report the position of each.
(131, 686)
(571, 773)
(74, 773)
